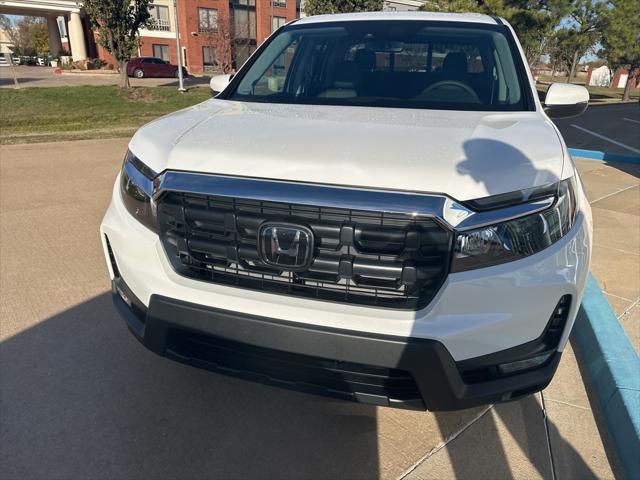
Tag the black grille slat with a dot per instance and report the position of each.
(360, 257)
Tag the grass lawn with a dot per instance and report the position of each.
(70, 113)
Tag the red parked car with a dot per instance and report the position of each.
(141, 67)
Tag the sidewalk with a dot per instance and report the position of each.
(556, 434)
(614, 192)
(73, 380)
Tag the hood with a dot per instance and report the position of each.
(465, 155)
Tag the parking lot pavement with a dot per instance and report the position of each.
(80, 398)
(614, 192)
(613, 128)
(31, 76)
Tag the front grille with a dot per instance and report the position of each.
(344, 380)
(360, 257)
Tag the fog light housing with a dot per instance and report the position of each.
(524, 364)
(125, 298)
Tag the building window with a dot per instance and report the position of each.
(244, 24)
(209, 58)
(243, 30)
(62, 27)
(277, 22)
(161, 51)
(207, 20)
(280, 3)
(160, 16)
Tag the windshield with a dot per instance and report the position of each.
(411, 64)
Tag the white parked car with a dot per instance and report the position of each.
(376, 207)
(6, 59)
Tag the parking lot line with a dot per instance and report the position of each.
(610, 140)
(631, 120)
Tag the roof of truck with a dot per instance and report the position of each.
(423, 16)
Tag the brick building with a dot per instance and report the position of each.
(249, 22)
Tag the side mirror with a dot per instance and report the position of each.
(565, 100)
(219, 83)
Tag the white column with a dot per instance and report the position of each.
(76, 37)
(55, 44)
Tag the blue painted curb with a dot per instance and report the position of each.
(614, 368)
(604, 156)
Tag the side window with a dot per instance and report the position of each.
(273, 79)
(456, 58)
(405, 57)
(412, 58)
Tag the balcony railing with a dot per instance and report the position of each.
(163, 25)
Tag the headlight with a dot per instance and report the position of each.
(136, 188)
(518, 238)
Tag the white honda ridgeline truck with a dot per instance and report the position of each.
(376, 207)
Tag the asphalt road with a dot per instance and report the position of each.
(606, 128)
(32, 76)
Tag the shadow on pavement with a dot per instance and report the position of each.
(82, 399)
(188, 82)
(8, 81)
(510, 440)
(595, 405)
(629, 168)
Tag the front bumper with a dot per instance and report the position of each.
(374, 369)
(480, 317)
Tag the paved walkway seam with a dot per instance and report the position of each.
(547, 435)
(614, 368)
(445, 442)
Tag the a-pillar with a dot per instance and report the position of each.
(55, 44)
(76, 37)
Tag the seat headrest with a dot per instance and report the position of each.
(455, 63)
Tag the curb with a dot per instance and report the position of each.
(605, 156)
(614, 368)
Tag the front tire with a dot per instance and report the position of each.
(138, 73)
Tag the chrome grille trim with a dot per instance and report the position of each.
(443, 209)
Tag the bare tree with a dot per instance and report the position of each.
(218, 37)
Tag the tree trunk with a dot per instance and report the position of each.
(631, 82)
(574, 65)
(124, 77)
(13, 70)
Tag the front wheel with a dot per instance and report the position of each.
(138, 73)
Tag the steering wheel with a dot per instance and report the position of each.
(453, 83)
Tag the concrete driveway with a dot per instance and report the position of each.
(80, 398)
(32, 76)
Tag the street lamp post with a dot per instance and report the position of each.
(180, 76)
